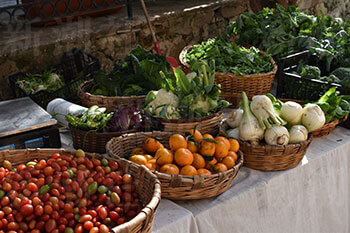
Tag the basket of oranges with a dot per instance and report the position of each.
(189, 166)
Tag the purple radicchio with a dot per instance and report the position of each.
(125, 119)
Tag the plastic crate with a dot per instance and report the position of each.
(292, 86)
(75, 67)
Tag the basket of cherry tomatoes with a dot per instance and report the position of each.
(189, 165)
(50, 190)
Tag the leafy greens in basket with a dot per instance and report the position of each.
(195, 95)
(137, 74)
(48, 81)
(229, 57)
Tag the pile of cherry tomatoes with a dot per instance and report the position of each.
(66, 193)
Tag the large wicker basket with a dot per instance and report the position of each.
(176, 187)
(233, 85)
(209, 124)
(109, 102)
(93, 141)
(147, 185)
(270, 158)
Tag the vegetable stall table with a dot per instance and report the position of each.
(313, 197)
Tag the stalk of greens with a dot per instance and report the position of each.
(334, 106)
(137, 74)
(94, 119)
(48, 81)
(229, 57)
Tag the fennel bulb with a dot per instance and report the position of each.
(313, 117)
(234, 118)
(249, 128)
(264, 111)
(298, 133)
(291, 112)
(277, 136)
(233, 133)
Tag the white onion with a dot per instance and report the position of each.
(233, 133)
(277, 136)
(234, 118)
(313, 117)
(297, 134)
(291, 112)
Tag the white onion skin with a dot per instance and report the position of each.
(291, 112)
(313, 117)
(297, 134)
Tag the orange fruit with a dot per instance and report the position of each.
(207, 148)
(138, 159)
(221, 149)
(151, 164)
(209, 163)
(148, 157)
(183, 157)
(170, 169)
(198, 161)
(208, 136)
(164, 156)
(151, 145)
(220, 167)
(220, 138)
(234, 145)
(233, 155)
(192, 147)
(203, 171)
(177, 141)
(188, 170)
(137, 151)
(197, 135)
(229, 161)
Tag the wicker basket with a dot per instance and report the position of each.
(270, 158)
(327, 128)
(93, 141)
(233, 85)
(109, 102)
(147, 185)
(176, 187)
(208, 124)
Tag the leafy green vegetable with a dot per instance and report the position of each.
(310, 72)
(334, 105)
(48, 81)
(229, 57)
(137, 74)
(92, 120)
(195, 95)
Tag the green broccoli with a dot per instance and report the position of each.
(330, 79)
(310, 72)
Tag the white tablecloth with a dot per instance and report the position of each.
(313, 197)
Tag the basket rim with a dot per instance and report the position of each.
(237, 166)
(140, 217)
(101, 133)
(272, 72)
(163, 120)
(83, 93)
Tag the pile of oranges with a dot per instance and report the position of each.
(195, 154)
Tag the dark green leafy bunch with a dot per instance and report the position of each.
(229, 57)
(47, 81)
(282, 31)
(334, 106)
(137, 74)
(93, 120)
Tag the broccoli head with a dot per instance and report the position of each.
(330, 79)
(310, 72)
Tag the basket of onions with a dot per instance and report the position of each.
(269, 140)
(94, 128)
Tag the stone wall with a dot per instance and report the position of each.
(177, 23)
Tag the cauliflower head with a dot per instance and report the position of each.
(162, 97)
(201, 103)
